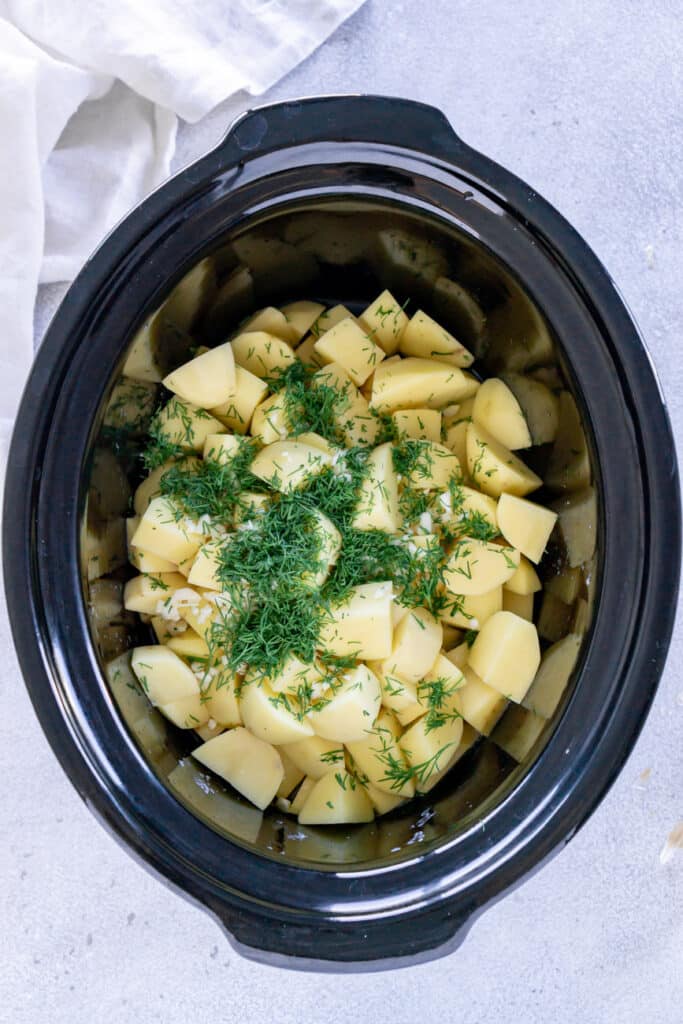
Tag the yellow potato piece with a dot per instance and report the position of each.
(353, 418)
(477, 567)
(525, 580)
(186, 713)
(347, 344)
(414, 383)
(416, 643)
(385, 321)
(539, 405)
(295, 676)
(471, 611)
(525, 525)
(336, 799)
(424, 337)
(270, 421)
(222, 448)
(462, 507)
(164, 530)
(271, 716)
(143, 593)
(288, 465)
(557, 665)
(316, 756)
(306, 353)
(272, 321)
(410, 712)
(497, 410)
(301, 795)
(467, 740)
(418, 424)
(207, 380)
(519, 604)
(397, 694)
(383, 802)
(219, 693)
(569, 464)
(162, 674)
(328, 553)
(332, 316)
(378, 499)
(249, 764)
(427, 748)
(352, 709)
(506, 654)
(361, 624)
(237, 410)
(301, 316)
(434, 467)
(263, 354)
(494, 468)
(480, 705)
(151, 485)
(186, 425)
(144, 561)
(517, 732)
(379, 752)
(206, 565)
(165, 629)
(189, 644)
(292, 775)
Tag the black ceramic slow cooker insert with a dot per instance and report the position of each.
(335, 198)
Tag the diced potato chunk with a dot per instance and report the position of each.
(497, 410)
(249, 764)
(189, 644)
(378, 499)
(143, 593)
(382, 802)
(151, 485)
(477, 567)
(471, 611)
(361, 624)
(379, 752)
(519, 604)
(414, 383)
(206, 566)
(219, 694)
(207, 380)
(465, 508)
(397, 694)
(418, 424)
(222, 448)
(467, 740)
(336, 799)
(428, 747)
(301, 316)
(347, 344)
(332, 316)
(186, 425)
(144, 561)
(385, 321)
(186, 713)
(162, 674)
(351, 413)
(328, 552)
(494, 468)
(525, 525)
(539, 405)
(525, 580)
(434, 467)
(417, 641)
(517, 732)
(557, 665)
(352, 709)
(270, 421)
(292, 775)
(569, 464)
(164, 530)
(271, 716)
(480, 705)
(506, 654)
(237, 410)
(272, 321)
(425, 338)
(288, 465)
(262, 354)
(316, 756)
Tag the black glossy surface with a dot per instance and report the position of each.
(403, 157)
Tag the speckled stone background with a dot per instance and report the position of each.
(584, 100)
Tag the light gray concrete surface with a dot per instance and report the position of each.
(583, 100)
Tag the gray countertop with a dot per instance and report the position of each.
(585, 104)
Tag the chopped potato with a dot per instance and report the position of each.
(417, 641)
(316, 756)
(272, 321)
(261, 353)
(424, 337)
(361, 624)
(418, 424)
(336, 798)
(525, 525)
(506, 654)
(287, 465)
(348, 345)
(352, 708)
(477, 567)
(385, 322)
(271, 716)
(378, 500)
(414, 383)
(251, 765)
(207, 380)
(237, 410)
(497, 410)
(301, 316)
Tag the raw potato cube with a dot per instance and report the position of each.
(477, 567)
(301, 316)
(410, 713)
(414, 383)
(222, 448)
(144, 561)
(525, 580)
(189, 644)
(417, 641)
(207, 380)
(287, 465)
(578, 525)
(374, 756)
(418, 424)
(237, 410)
(352, 709)
(397, 694)
(428, 748)
(519, 604)
(352, 415)
(291, 778)
(208, 731)
(455, 438)
(427, 339)
(306, 353)
(186, 713)
(270, 421)
(434, 467)
(347, 344)
(268, 716)
(494, 468)
(330, 318)
(295, 675)
(378, 500)
(220, 695)
(517, 732)
(569, 464)
(506, 654)
(361, 624)
(385, 321)
(164, 530)
(480, 705)
(272, 321)
(437, 690)
(249, 764)
(467, 740)
(539, 405)
(465, 508)
(315, 756)
(263, 354)
(163, 675)
(525, 525)
(143, 593)
(557, 665)
(497, 410)
(186, 425)
(301, 795)
(336, 799)
(206, 565)
(471, 611)
(151, 485)
(383, 802)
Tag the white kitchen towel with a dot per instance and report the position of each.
(90, 91)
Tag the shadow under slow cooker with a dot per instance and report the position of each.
(346, 252)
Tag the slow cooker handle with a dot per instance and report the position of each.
(379, 120)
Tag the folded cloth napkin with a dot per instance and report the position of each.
(90, 93)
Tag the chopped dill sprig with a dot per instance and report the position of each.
(210, 487)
